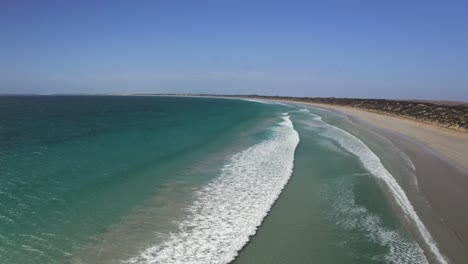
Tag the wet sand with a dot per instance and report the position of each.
(441, 160)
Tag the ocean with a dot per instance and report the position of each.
(147, 179)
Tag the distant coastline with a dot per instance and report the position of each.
(440, 158)
(435, 182)
(434, 136)
(452, 115)
(445, 114)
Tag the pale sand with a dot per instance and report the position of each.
(450, 144)
(441, 160)
(440, 157)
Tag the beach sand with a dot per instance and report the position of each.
(440, 157)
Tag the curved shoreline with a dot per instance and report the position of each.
(450, 144)
(438, 156)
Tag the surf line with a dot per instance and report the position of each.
(373, 164)
(229, 209)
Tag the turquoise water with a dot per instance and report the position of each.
(335, 209)
(97, 179)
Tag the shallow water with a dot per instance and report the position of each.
(334, 209)
(189, 180)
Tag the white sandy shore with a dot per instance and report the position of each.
(443, 178)
(452, 145)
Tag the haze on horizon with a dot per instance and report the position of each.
(368, 49)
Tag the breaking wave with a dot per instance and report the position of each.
(373, 164)
(228, 210)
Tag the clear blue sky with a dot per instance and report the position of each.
(371, 49)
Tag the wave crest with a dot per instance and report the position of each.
(228, 210)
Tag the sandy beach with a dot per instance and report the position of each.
(452, 145)
(441, 160)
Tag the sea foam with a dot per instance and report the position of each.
(228, 210)
(352, 216)
(373, 164)
(267, 102)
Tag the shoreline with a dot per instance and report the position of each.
(440, 157)
(449, 144)
(440, 197)
(442, 114)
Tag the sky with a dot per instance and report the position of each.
(367, 49)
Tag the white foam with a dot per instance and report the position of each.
(373, 164)
(332, 147)
(351, 216)
(257, 101)
(228, 210)
(407, 159)
(266, 102)
(316, 117)
(284, 104)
